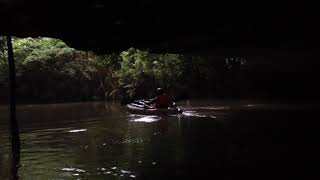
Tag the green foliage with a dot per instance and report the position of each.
(141, 72)
(2, 50)
(49, 70)
(3, 67)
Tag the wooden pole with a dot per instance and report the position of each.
(14, 129)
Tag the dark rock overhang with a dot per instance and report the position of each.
(177, 26)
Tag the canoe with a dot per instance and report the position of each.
(142, 109)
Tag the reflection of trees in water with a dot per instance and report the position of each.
(4, 158)
(112, 142)
(147, 150)
(165, 149)
(8, 161)
(103, 147)
(32, 116)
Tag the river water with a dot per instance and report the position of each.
(212, 139)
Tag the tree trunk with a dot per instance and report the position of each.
(14, 129)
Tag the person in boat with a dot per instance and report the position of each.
(162, 99)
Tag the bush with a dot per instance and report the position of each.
(49, 70)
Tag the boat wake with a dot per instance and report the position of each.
(144, 118)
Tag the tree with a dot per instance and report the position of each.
(141, 72)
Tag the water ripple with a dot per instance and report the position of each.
(73, 170)
(77, 130)
(147, 119)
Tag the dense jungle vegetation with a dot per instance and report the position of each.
(50, 71)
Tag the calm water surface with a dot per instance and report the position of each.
(210, 139)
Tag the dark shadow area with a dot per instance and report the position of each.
(225, 139)
(250, 144)
(244, 73)
(255, 147)
(13, 124)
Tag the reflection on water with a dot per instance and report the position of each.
(143, 118)
(77, 130)
(196, 114)
(104, 141)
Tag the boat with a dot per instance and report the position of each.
(139, 107)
